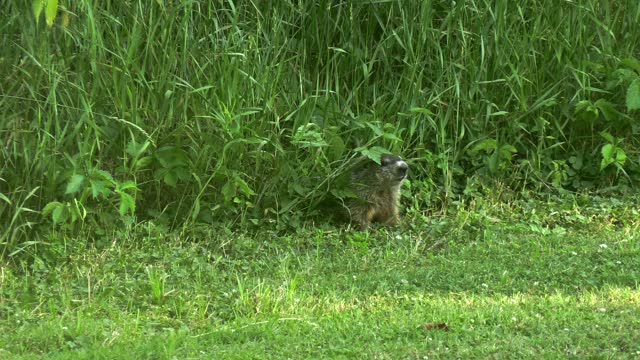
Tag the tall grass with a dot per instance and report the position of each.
(246, 111)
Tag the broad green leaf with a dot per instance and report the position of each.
(582, 105)
(374, 153)
(99, 187)
(299, 188)
(420, 110)
(171, 179)
(50, 207)
(126, 204)
(228, 191)
(171, 156)
(37, 6)
(101, 174)
(243, 187)
(51, 11)
(509, 148)
(135, 150)
(59, 214)
(182, 172)
(308, 136)
(632, 63)
(336, 144)
(608, 151)
(607, 137)
(576, 162)
(607, 109)
(484, 145)
(75, 184)
(625, 75)
(633, 95)
(391, 136)
(128, 185)
(375, 128)
(143, 162)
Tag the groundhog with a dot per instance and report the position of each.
(377, 189)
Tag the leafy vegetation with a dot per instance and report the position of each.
(167, 167)
(191, 112)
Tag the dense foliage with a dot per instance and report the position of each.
(196, 111)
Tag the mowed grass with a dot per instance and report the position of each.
(463, 285)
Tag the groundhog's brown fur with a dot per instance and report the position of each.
(377, 188)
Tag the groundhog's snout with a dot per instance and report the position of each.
(401, 169)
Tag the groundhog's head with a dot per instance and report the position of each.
(392, 169)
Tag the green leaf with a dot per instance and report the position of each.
(126, 204)
(420, 110)
(632, 63)
(499, 113)
(375, 128)
(586, 111)
(36, 7)
(171, 156)
(196, 209)
(582, 105)
(484, 145)
(101, 175)
(374, 153)
(128, 185)
(143, 162)
(633, 95)
(60, 214)
(135, 150)
(50, 207)
(391, 136)
(299, 188)
(243, 187)
(182, 172)
(51, 11)
(171, 179)
(625, 75)
(607, 109)
(4, 198)
(228, 191)
(308, 136)
(98, 187)
(608, 137)
(58, 211)
(508, 148)
(75, 184)
(608, 151)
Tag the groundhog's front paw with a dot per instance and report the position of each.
(393, 222)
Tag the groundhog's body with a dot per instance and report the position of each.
(377, 188)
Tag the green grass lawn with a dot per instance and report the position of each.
(469, 284)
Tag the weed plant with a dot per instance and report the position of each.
(249, 112)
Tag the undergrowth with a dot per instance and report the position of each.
(249, 113)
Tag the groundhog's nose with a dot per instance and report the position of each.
(402, 168)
